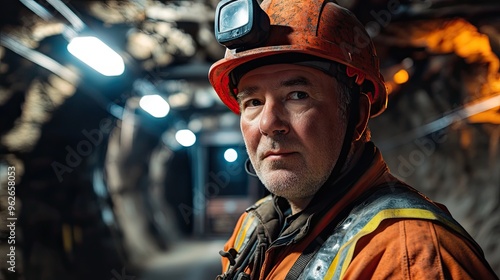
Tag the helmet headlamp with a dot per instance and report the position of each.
(240, 24)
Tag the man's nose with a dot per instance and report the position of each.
(273, 120)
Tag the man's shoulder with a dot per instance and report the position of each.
(396, 219)
(400, 201)
(394, 207)
(399, 195)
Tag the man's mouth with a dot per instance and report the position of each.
(277, 154)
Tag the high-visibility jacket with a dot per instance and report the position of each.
(378, 228)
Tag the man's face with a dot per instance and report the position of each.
(291, 124)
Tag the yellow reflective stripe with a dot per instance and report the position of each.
(249, 221)
(248, 225)
(369, 228)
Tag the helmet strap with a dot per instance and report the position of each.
(335, 187)
(352, 121)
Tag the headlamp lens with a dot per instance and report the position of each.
(240, 24)
(233, 15)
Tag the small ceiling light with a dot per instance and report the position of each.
(155, 105)
(185, 137)
(97, 55)
(231, 155)
(401, 77)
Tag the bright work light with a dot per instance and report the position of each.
(240, 24)
(230, 155)
(97, 55)
(185, 137)
(155, 105)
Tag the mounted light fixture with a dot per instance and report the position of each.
(155, 105)
(230, 155)
(241, 24)
(89, 49)
(96, 54)
(185, 137)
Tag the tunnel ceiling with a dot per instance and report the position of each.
(45, 91)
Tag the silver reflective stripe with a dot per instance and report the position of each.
(318, 266)
(330, 260)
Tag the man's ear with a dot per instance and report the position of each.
(363, 117)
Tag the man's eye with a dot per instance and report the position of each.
(253, 103)
(298, 95)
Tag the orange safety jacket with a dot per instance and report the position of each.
(378, 228)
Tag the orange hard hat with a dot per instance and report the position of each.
(319, 28)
